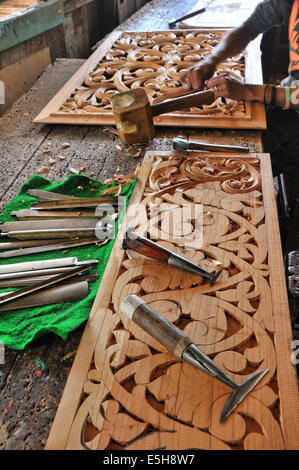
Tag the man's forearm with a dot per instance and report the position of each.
(257, 93)
(231, 45)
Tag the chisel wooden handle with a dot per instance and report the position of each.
(145, 247)
(171, 337)
(183, 102)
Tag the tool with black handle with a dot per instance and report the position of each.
(174, 21)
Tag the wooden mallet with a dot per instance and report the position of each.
(134, 115)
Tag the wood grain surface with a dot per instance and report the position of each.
(155, 62)
(99, 154)
(125, 391)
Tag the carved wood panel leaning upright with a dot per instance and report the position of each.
(154, 61)
(125, 391)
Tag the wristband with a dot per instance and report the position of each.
(270, 98)
(288, 98)
(273, 96)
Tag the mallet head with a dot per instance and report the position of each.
(133, 116)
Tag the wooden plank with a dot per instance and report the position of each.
(76, 80)
(124, 390)
(19, 77)
(122, 68)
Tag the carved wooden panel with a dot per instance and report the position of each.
(125, 391)
(154, 61)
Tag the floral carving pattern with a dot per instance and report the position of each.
(154, 61)
(139, 396)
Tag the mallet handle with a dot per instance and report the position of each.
(165, 332)
(183, 102)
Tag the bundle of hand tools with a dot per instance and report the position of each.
(55, 222)
(59, 222)
(44, 282)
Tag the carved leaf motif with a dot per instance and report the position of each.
(128, 348)
(120, 426)
(187, 394)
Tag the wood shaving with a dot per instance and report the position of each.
(75, 171)
(121, 181)
(43, 169)
(51, 161)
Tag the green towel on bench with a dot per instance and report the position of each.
(18, 328)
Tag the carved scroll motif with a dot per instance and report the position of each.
(137, 395)
(155, 62)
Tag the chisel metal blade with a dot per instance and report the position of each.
(52, 247)
(48, 195)
(30, 281)
(35, 265)
(53, 233)
(82, 202)
(31, 214)
(25, 243)
(54, 295)
(46, 271)
(42, 285)
(78, 223)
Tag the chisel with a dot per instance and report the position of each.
(30, 281)
(20, 226)
(52, 247)
(52, 233)
(82, 202)
(42, 285)
(48, 195)
(25, 243)
(31, 214)
(150, 249)
(55, 295)
(35, 265)
(42, 272)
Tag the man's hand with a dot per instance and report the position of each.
(195, 77)
(228, 87)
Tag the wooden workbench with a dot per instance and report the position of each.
(28, 401)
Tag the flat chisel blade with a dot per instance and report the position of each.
(35, 265)
(46, 248)
(31, 214)
(64, 224)
(48, 195)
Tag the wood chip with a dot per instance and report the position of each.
(43, 169)
(51, 161)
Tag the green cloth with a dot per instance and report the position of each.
(18, 328)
